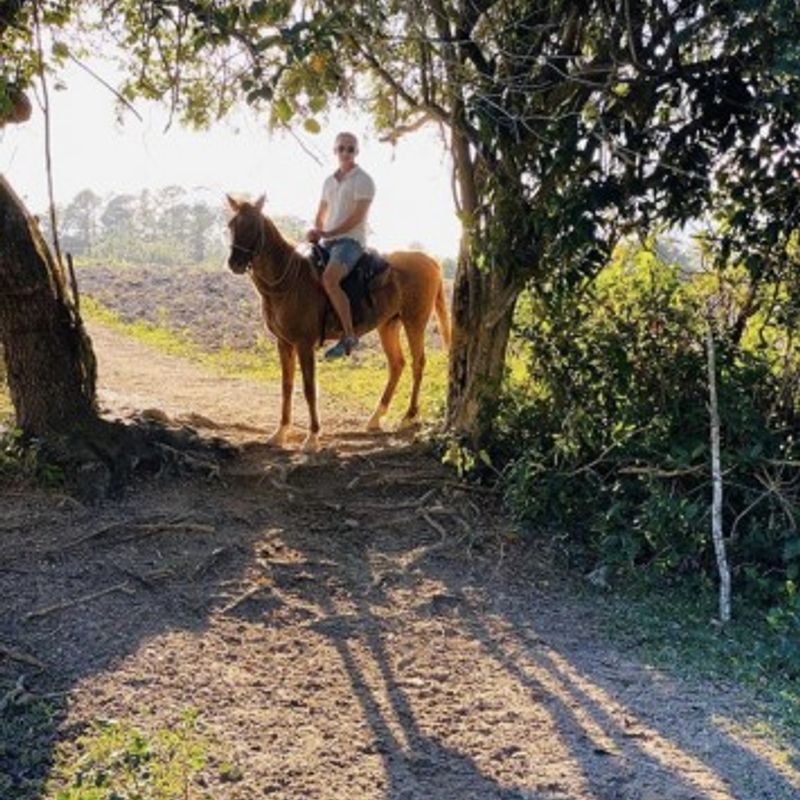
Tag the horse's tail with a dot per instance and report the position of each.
(442, 314)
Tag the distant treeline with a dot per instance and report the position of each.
(169, 226)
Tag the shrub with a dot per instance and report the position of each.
(608, 441)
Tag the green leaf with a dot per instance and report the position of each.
(317, 103)
(60, 50)
(283, 109)
(312, 126)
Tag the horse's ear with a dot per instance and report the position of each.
(232, 203)
(259, 204)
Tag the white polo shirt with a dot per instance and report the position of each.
(341, 197)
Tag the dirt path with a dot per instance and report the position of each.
(348, 625)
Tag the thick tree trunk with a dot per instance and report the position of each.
(50, 365)
(50, 368)
(483, 310)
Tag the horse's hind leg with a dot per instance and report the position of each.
(389, 333)
(415, 331)
(287, 355)
(308, 367)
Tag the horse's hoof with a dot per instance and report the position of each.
(374, 423)
(407, 423)
(311, 444)
(278, 439)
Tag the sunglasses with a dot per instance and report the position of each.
(345, 148)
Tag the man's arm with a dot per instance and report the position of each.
(358, 215)
(315, 233)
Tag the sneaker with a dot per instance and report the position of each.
(343, 347)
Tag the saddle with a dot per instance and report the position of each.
(356, 285)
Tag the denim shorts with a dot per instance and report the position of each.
(345, 252)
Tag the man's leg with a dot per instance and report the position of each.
(331, 279)
(344, 255)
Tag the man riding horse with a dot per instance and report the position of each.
(295, 300)
(341, 226)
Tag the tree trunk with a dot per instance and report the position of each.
(50, 365)
(51, 374)
(483, 310)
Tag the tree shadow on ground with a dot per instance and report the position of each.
(346, 629)
(625, 731)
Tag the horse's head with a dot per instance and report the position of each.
(247, 233)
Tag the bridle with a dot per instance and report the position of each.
(252, 252)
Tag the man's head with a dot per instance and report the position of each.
(346, 148)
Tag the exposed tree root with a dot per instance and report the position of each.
(99, 458)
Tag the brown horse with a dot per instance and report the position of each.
(295, 309)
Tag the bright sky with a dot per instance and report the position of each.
(92, 150)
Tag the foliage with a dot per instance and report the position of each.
(120, 761)
(22, 458)
(608, 444)
(27, 730)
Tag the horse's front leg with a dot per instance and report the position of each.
(287, 355)
(308, 368)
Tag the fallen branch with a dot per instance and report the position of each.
(216, 555)
(145, 528)
(148, 529)
(18, 655)
(282, 486)
(43, 612)
(243, 598)
(437, 526)
(93, 535)
(451, 512)
(403, 519)
(427, 496)
(471, 487)
(186, 459)
(149, 579)
(420, 501)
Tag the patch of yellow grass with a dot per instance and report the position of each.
(358, 381)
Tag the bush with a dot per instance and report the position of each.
(608, 443)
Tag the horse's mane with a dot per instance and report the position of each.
(294, 262)
(275, 233)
